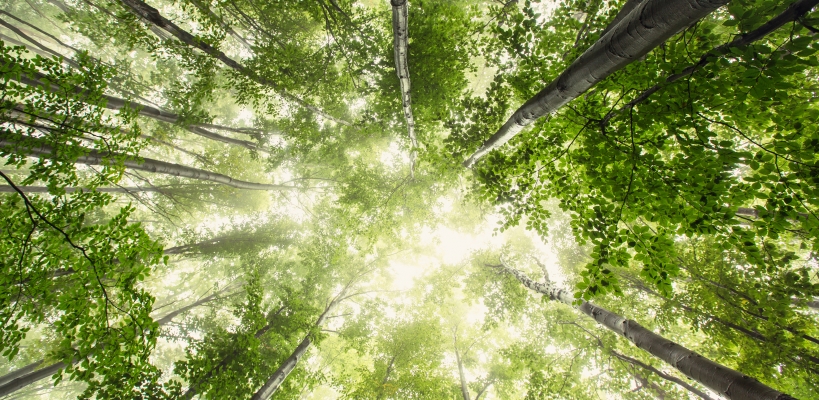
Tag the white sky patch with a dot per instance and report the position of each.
(394, 156)
(244, 117)
(404, 274)
(357, 105)
(455, 246)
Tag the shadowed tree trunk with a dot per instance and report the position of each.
(381, 392)
(159, 167)
(719, 378)
(796, 10)
(661, 374)
(400, 51)
(277, 378)
(647, 26)
(116, 103)
(152, 16)
(195, 386)
(464, 389)
(20, 371)
(22, 380)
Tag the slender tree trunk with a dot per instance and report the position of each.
(796, 10)
(483, 390)
(195, 386)
(159, 167)
(381, 392)
(719, 378)
(659, 393)
(277, 378)
(43, 189)
(464, 389)
(22, 381)
(20, 371)
(753, 334)
(116, 103)
(205, 9)
(661, 374)
(644, 28)
(400, 51)
(152, 16)
(173, 314)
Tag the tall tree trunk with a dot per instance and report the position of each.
(483, 389)
(400, 51)
(644, 28)
(719, 378)
(159, 167)
(20, 371)
(124, 189)
(381, 392)
(22, 381)
(116, 103)
(462, 376)
(661, 374)
(795, 11)
(753, 334)
(195, 386)
(277, 378)
(205, 9)
(152, 16)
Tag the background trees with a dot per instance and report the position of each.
(678, 191)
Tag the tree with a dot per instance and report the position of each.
(676, 186)
(645, 27)
(716, 377)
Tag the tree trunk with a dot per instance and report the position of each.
(796, 10)
(27, 379)
(464, 389)
(644, 28)
(159, 167)
(20, 371)
(400, 51)
(152, 16)
(661, 374)
(386, 378)
(277, 378)
(622, 13)
(205, 9)
(483, 390)
(753, 334)
(719, 378)
(193, 388)
(116, 103)
(124, 189)
(173, 314)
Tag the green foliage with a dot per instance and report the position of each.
(681, 163)
(82, 277)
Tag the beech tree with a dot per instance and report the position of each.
(255, 199)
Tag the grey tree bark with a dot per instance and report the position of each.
(796, 10)
(156, 166)
(400, 50)
(20, 371)
(152, 16)
(24, 380)
(647, 26)
(116, 103)
(661, 374)
(461, 375)
(192, 389)
(716, 377)
(277, 378)
(381, 393)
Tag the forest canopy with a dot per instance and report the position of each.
(372, 199)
